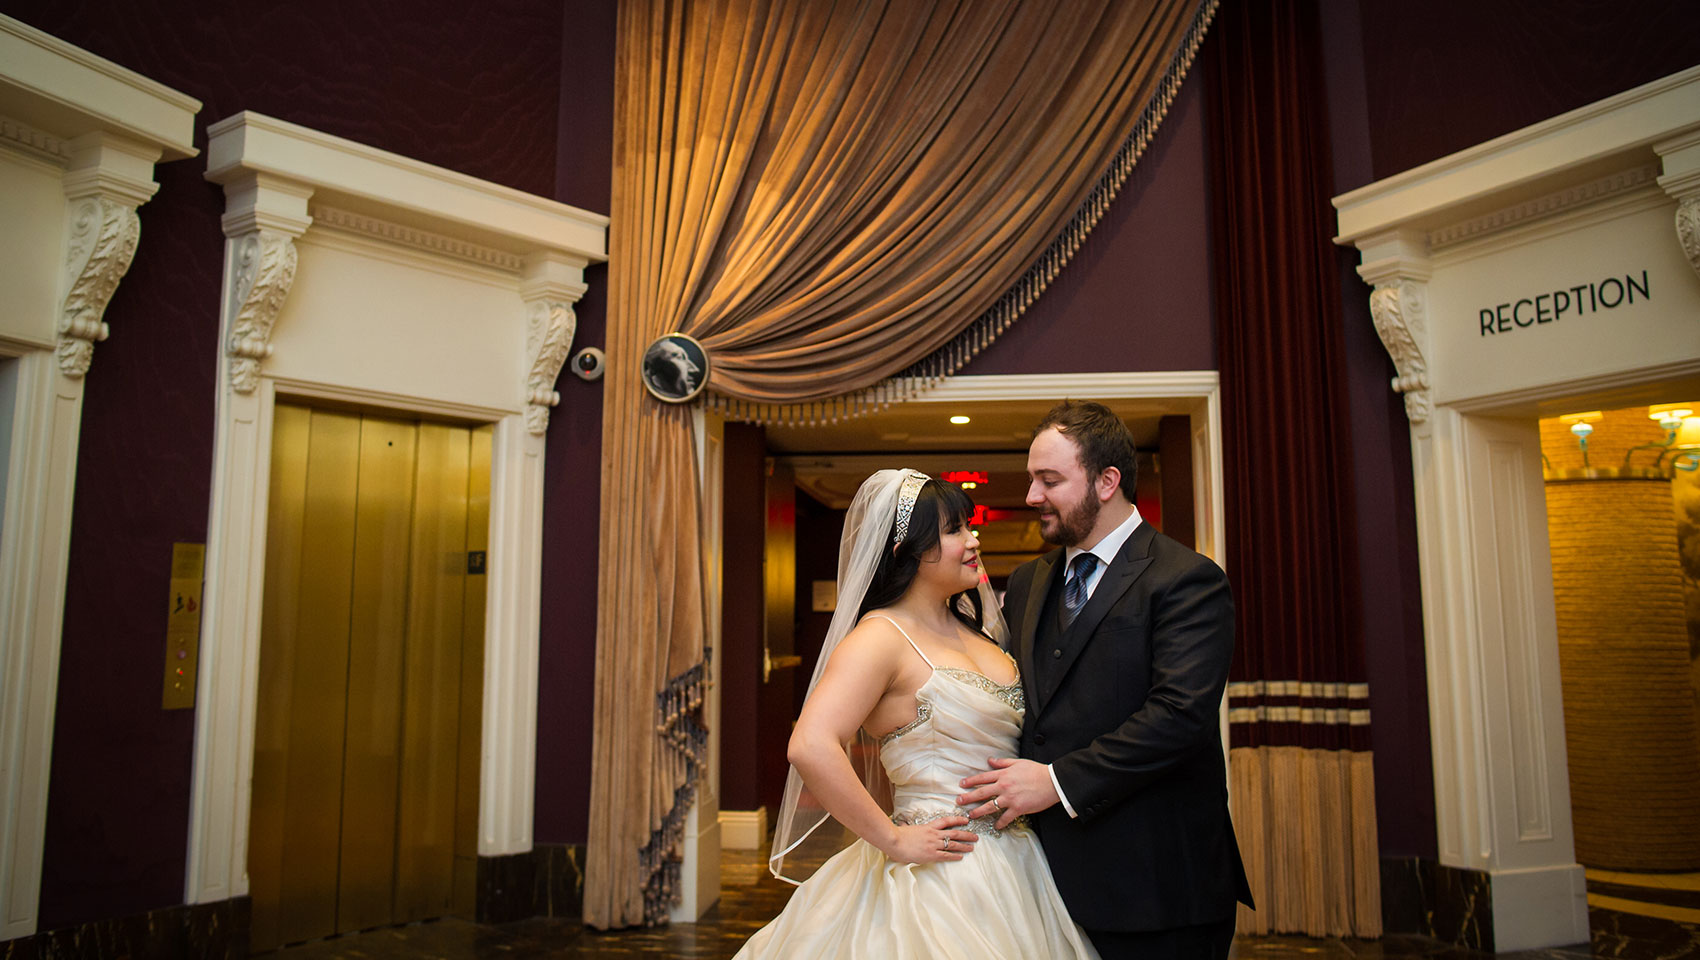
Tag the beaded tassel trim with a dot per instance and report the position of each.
(926, 373)
(985, 826)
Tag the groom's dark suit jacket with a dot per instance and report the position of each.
(1124, 703)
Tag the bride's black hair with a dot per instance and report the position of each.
(897, 568)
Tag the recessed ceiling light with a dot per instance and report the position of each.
(959, 419)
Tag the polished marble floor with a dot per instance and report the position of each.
(750, 898)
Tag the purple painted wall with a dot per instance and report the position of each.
(1444, 75)
(573, 472)
(1390, 597)
(470, 87)
(1139, 289)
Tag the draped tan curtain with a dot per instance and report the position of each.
(826, 195)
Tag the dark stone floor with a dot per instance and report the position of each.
(750, 898)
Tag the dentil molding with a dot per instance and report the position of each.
(1547, 205)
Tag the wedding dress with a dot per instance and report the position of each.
(998, 901)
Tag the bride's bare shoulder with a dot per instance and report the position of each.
(874, 638)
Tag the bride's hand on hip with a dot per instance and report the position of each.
(930, 842)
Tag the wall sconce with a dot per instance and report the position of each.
(1581, 425)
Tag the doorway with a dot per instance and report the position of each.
(786, 489)
(1623, 511)
(366, 747)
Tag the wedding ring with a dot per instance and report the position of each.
(995, 803)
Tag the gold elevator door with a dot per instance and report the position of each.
(366, 741)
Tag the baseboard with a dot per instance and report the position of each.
(545, 881)
(743, 829)
(211, 930)
(1491, 911)
(1449, 904)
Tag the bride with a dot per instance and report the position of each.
(911, 694)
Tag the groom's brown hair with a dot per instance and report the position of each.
(1100, 438)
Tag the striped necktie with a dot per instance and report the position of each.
(1074, 591)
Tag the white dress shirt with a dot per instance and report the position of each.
(1105, 550)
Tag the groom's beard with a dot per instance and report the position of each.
(1072, 525)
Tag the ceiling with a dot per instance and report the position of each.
(832, 460)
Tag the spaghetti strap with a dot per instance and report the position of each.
(906, 636)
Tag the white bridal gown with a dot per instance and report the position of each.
(996, 902)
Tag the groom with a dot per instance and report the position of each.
(1124, 638)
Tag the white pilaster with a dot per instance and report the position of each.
(263, 218)
(100, 129)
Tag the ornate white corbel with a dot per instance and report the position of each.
(1396, 265)
(263, 215)
(1688, 229)
(1680, 159)
(264, 268)
(106, 179)
(1401, 322)
(103, 237)
(551, 286)
(549, 329)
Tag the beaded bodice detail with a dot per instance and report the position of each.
(1009, 693)
(961, 718)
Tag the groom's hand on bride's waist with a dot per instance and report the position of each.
(1019, 787)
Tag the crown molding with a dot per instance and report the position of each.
(369, 182)
(66, 91)
(1615, 133)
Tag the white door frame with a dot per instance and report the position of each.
(1434, 241)
(1198, 393)
(503, 269)
(1193, 393)
(98, 129)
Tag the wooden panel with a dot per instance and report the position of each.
(318, 692)
(277, 669)
(431, 690)
(469, 750)
(378, 621)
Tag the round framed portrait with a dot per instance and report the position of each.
(675, 368)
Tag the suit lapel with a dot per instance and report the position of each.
(1028, 638)
(1131, 561)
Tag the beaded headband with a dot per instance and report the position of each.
(906, 494)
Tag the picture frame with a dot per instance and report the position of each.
(675, 368)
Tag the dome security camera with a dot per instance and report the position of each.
(589, 363)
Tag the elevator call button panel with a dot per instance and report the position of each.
(183, 624)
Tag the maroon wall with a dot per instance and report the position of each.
(1390, 595)
(470, 87)
(573, 470)
(741, 605)
(1139, 289)
(1444, 75)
